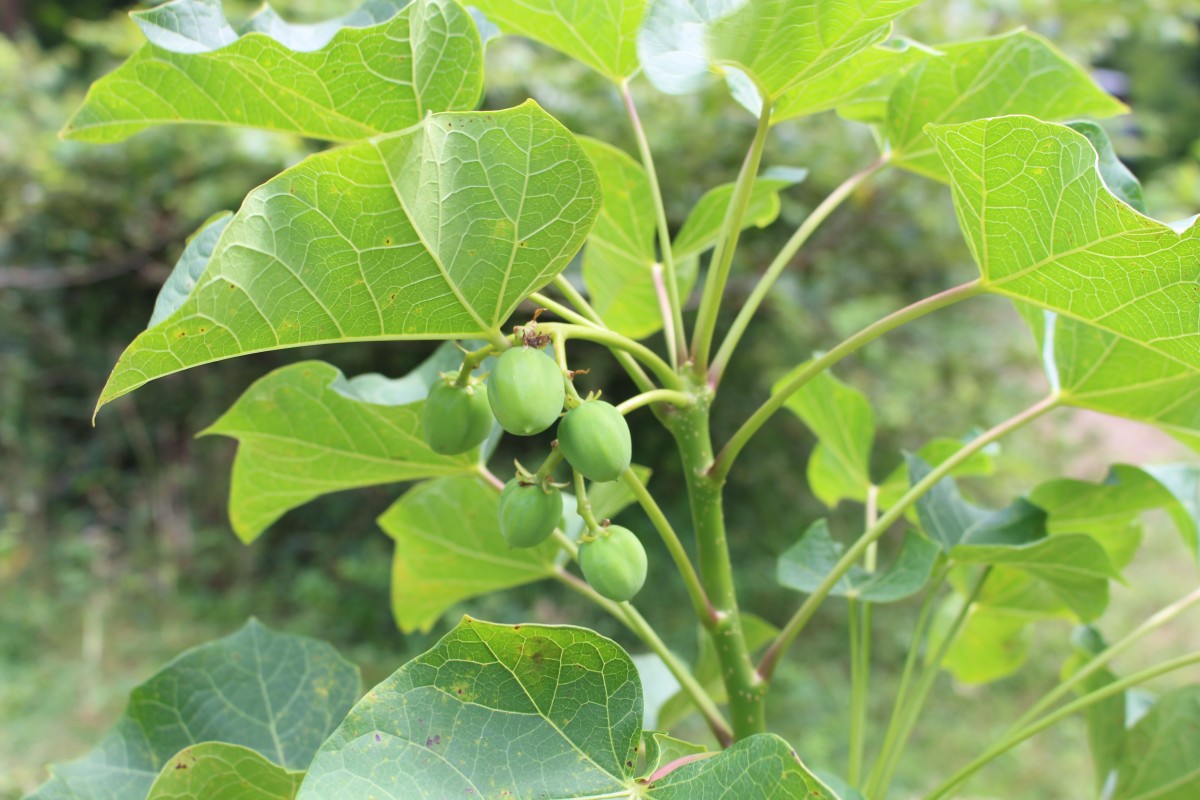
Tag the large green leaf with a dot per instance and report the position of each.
(220, 771)
(277, 695)
(703, 225)
(805, 565)
(599, 33)
(305, 431)
(1117, 177)
(449, 549)
(1018, 73)
(844, 423)
(188, 269)
(437, 232)
(354, 78)
(949, 520)
(1044, 229)
(765, 48)
(1103, 371)
(1074, 567)
(1162, 756)
(507, 711)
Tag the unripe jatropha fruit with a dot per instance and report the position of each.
(614, 563)
(526, 391)
(456, 418)
(528, 513)
(594, 437)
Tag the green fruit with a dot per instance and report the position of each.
(528, 513)
(614, 563)
(526, 391)
(595, 439)
(456, 418)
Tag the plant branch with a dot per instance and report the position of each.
(562, 311)
(678, 399)
(803, 233)
(639, 376)
(615, 341)
(722, 258)
(947, 787)
(868, 334)
(673, 325)
(856, 551)
(691, 580)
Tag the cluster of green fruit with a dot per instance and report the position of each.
(526, 392)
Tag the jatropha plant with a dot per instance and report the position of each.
(433, 220)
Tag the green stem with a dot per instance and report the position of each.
(546, 470)
(562, 311)
(639, 376)
(691, 580)
(745, 688)
(673, 326)
(584, 508)
(776, 268)
(678, 399)
(815, 367)
(560, 356)
(627, 615)
(860, 665)
(947, 787)
(615, 341)
(722, 258)
(856, 551)
(924, 616)
(890, 761)
(1100, 660)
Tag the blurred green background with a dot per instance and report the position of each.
(115, 552)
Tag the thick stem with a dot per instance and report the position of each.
(673, 329)
(746, 689)
(802, 234)
(860, 681)
(722, 258)
(948, 787)
(815, 367)
(856, 551)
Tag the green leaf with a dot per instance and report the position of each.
(188, 269)
(220, 771)
(663, 749)
(305, 431)
(1162, 757)
(1110, 512)
(1017, 73)
(758, 632)
(1106, 372)
(765, 48)
(449, 549)
(500, 711)
(1106, 720)
(934, 453)
(277, 695)
(703, 225)
(1074, 567)
(949, 520)
(844, 423)
(1117, 178)
(1081, 252)
(806, 564)
(349, 79)
(1183, 482)
(437, 232)
(992, 643)
(599, 33)
(858, 88)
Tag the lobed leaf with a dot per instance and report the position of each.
(277, 695)
(1045, 230)
(765, 48)
(305, 430)
(437, 232)
(1017, 73)
(377, 70)
(992, 644)
(1162, 755)
(599, 33)
(499, 711)
(1106, 721)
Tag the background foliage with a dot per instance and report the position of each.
(115, 547)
